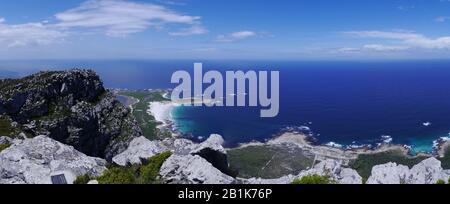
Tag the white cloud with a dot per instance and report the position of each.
(442, 18)
(384, 48)
(194, 30)
(236, 36)
(372, 48)
(206, 49)
(409, 39)
(113, 17)
(348, 50)
(173, 3)
(29, 34)
(122, 17)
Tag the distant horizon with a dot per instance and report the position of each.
(196, 29)
(234, 60)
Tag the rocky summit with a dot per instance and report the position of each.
(71, 107)
(428, 171)
(35, 161)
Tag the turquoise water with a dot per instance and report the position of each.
(350, 103)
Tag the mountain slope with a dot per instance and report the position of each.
(72, 107)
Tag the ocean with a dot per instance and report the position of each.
(346, 103)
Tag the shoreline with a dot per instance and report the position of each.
(162, 111)
(323, 152)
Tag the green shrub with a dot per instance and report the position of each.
(150, 171)
(117, 175)
(313, 179)
(136, 174)
(4, 146)
(5, 126)
(440, 181)
(84, 179)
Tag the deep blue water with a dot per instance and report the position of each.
(343, 102)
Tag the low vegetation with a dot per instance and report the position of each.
(313, 179)
(365, 162)
(118, 175)
(146, 121)
(5, 127)
(84, 179)
(440, 181)
(268, 161)
(147, 173)
(4, 146)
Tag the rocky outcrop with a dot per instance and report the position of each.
(204, 163)
(389, 173)
(190, 163)
(5, 140)
(428, 171)
(329, 168)
(192, 169)
(334, 170)
(139, 149)
(35, 161)
(72, 107)
(213, 151)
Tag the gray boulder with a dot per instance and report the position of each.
(389, 173)
(349, 176)
(428, 171)
(180, 146)
(5, 140)
(213, 151)
(139, 149)
(192, 169)
(334, 170)
(35, 161)
(214, 143)
(93, 182)
(204, 163)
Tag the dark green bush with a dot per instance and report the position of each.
(4, 146)
(5, 127)
(117, 175)
(137, 174)
(150, 171)
(313, 179)
(84, 179)
(440, 181)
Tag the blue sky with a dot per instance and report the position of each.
(219, 29)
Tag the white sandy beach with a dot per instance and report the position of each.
(162, 111)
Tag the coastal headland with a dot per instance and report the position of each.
(284, 150)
